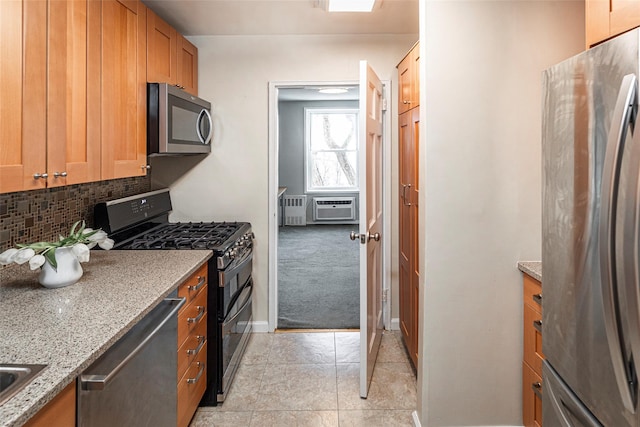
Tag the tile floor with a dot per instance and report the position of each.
(312, 379)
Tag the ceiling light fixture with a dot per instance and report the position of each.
(348, 5)
(332, 90)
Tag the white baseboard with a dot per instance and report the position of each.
(395, 324)
(259, 326)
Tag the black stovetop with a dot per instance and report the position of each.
(217, 236)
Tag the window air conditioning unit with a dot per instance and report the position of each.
(334, 208)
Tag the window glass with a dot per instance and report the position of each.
(332, 149)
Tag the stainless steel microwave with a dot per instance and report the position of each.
(177, 123)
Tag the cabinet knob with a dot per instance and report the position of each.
(145, 167)
(59, 174)
(40, 175)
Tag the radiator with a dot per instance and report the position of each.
(295, 210)
(334, 208)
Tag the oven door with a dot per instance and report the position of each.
(235, 335)
(232, 280)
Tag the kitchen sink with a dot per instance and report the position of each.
(14, 377)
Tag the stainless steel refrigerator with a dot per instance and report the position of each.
(591, 237)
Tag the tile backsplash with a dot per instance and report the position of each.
(42, 215)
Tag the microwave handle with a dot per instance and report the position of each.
(204, 113)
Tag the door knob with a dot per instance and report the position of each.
(361, 237)
(374, 236)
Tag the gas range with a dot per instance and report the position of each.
(227, 240)
(141, 222)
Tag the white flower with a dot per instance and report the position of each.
(7, 256)
(23, 255)
(106, 244)
(81, 251)
(36, 261)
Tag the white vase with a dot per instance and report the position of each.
(68, 272)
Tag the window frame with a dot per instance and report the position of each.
(308, 112)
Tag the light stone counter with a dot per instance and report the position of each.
(532, 268)
(69, 328)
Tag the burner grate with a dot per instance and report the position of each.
(188, 235)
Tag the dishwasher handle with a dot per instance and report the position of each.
(100, 381)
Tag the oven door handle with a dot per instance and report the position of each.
(238, 295)
(232, 272)
(240, 310)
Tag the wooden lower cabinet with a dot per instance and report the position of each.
(59, 412)
(531, 397)
(532, 353)
(192, 345)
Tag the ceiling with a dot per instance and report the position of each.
(283, 17)
(310, 93)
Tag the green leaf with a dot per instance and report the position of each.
(50, 256)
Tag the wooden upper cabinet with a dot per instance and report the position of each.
(124, 89)
(23, 121)
(73, 92)
(608, 18)
(408, 81)
(162, 48)
(187, 65)
(171, 58)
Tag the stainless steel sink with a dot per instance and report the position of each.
(14, 377)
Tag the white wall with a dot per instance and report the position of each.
(234, 72)
(481, 127)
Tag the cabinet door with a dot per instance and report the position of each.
(23, 120)
(409, 123)
(404, 84)
(415, 76)
(624, 15)
(73, 92)
(162, 63)
(187, 65)
(608, 18)
(124, 90)
(405, 230)
(414, 193)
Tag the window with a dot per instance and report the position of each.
(332, 149)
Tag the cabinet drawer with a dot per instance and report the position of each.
(191, 388)
(192, 346)
(193, 285)
(191, 315)
(532, 293)
(533, 339)
(532, 397)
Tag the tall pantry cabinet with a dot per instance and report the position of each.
(408, 128)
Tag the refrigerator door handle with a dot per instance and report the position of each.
(565, 408)
(623, 118)
(630, 248)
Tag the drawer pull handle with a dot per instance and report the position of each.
(201, 282)
(537, 389)
(198, 317)
(538, 325)
(195, 351)
(537, 298)
(195, 380)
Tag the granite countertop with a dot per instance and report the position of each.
(69, 328)
(532, 268)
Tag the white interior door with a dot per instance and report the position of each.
(370, 236)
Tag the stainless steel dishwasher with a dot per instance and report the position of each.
(135, 382)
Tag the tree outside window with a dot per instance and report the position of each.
(332, 149)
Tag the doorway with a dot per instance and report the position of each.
(318, 274)
(299, 91)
